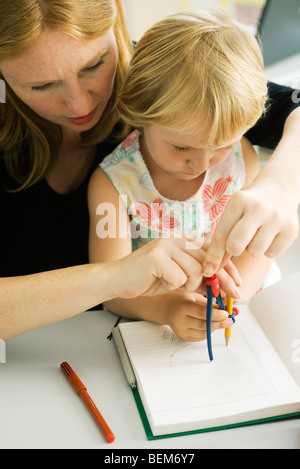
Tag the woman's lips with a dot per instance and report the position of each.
(82, 120)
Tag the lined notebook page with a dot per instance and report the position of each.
(182, 390)
(277, 309)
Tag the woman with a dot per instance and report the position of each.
(63, 64)
(59, 108)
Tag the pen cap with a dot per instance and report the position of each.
(72, 377)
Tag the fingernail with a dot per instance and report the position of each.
(228, 323)
(240, 280)
(208, 270)
(222, 315)
(237, 292)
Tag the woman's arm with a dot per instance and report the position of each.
(252, 269)
(263, 218)
(29, 302)
(37, 300)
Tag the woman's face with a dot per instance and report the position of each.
(64, 80)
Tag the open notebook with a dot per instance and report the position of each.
(256, 377)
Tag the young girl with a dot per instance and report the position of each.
(194, 87)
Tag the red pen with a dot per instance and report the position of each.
(82, 391)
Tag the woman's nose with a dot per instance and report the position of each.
(78, 102)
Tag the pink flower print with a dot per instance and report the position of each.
(214, 201)
(213, 198)
(129, 140)
(155, 216)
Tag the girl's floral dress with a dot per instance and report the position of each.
(153, 215)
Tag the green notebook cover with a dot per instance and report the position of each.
(150, 435)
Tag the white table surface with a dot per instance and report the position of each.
(39, 408)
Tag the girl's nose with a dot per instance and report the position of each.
(200, 163)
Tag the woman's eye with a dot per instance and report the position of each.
(48, 85)
(41, 87)
(94, 67)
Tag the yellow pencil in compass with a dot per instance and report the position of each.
(229, 308)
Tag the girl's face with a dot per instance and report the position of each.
(63, 80)
(181, 155)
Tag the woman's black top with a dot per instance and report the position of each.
(42, 230)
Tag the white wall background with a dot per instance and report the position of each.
(141, 14)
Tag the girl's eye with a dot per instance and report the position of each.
(180, 148)
(42, 87)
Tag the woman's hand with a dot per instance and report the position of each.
(162, 266)
(263, 218)
(159, 267)
(257, 220)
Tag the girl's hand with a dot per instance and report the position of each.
(185, 313)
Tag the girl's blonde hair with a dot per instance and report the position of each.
(196, 69)
(29, 142)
